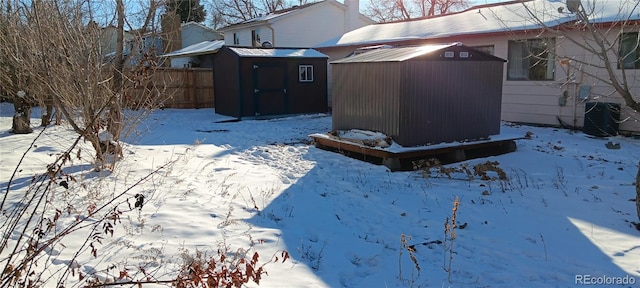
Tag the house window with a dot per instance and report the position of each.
(486, 49)
(629, 53)
(255, 38)
(236, 40)
(305, 73)
(531, 59)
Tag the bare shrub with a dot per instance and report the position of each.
(450, 226)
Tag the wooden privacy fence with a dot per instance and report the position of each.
(185, 88)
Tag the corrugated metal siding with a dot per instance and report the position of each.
(419, 102)
(450, 101)
(361, 102)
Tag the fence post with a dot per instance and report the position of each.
(194, 88)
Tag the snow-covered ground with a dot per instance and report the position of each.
(563, 217)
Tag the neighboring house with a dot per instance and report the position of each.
(193, 33)
(196, 55)
(189, 33)
(131, 50)
(108, 39)
(171, 38)
(546, 90)
(299, 26)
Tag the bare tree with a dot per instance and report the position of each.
(273, 5)
(227, 12)
(609, 56)
(234, 11)
(397, 10)
(385, 11)
(188, 10)
(57, 59)
(605, 62)
(638, 193)
(50, 53)
(12, 76)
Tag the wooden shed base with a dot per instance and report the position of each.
(404, 160)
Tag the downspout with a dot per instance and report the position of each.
(571, 89)
(576, 97)
(273, 34)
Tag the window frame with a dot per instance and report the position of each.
(519, 66)
(632, 51)
(236, 39)
(255, 38)
(308, 77)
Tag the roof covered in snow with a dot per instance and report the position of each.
(277, 52)
(490, 18)
(201, 48)
(399, 54)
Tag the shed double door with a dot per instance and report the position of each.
(270, 95)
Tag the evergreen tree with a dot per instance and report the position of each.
(189, 10)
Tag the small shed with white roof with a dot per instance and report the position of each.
(265, 82)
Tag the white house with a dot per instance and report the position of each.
(108, 39)
(196, 55)
(169, 39)
(193, 32)
(298, 26)
(552, 88)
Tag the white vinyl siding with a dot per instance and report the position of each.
(194, 33)
(303, 28)
(316, 27)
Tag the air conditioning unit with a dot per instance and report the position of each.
(601, 119)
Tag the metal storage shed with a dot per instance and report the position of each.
(419, 95)
(256, 82)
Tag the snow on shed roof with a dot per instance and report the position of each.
(278, 52)
(393, 54)
(205, 47)
(490, 18)
(399, 54)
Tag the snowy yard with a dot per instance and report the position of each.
(561, 218)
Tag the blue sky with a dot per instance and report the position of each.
(134, 8)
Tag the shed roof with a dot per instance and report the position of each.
(201, 48)
(277, 52)
(490, 18)
(399, 54)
